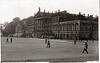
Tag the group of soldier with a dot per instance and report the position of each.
(7, 40)
(47, 42)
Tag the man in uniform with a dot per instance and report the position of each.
(86, 47)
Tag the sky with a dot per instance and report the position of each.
(10, 9)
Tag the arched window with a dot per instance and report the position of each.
(76, 26)
(72, 26)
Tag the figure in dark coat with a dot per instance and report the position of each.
(11, 40)
(86, 47)
(48, 44)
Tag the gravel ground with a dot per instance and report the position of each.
(33, 49)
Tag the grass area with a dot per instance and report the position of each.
(33, 49)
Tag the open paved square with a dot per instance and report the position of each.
(34, 49)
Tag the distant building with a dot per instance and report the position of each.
(64, 25)
(29, 30)
(61, 25)
(76, 29)
(71, 26)
(19, 29)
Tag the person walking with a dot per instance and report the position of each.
(48, 44)
(86, 47)
(7, 41)
(11, 40)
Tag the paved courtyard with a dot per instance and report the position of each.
(34, 49)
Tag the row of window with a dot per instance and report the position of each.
(65, 27)
(89, 27)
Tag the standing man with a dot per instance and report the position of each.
(11, 40)
(86, 47)
(46, 41)
(48, 44)
(7, 40)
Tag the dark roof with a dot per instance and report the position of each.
(42, 14)
(64, 16)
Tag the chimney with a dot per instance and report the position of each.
(91, 16)
(88, 15)
(39, 9)
(44, 11)
(58, 10)
(79, 13)
(83, 14)
(48, 11)
(55, 11)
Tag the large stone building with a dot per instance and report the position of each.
(61, 25)
(71, 26)
(64, 25)
(75, 29)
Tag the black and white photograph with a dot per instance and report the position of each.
(49, 30)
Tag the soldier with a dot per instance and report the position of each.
(7, 40)
(46, 41)
(48, 44)
(86, 47)
(11, 40)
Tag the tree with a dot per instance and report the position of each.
(10, 28)
(29, 20)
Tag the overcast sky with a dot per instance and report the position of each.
(10, 9)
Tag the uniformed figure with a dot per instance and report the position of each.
(48, 44)
(45, 41)
(11, 40)
(7, 40)
(86, 47)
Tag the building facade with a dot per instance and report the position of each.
(76, 29)
(19, 29)
(62, 25)
(71, 26)
(42, 24)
